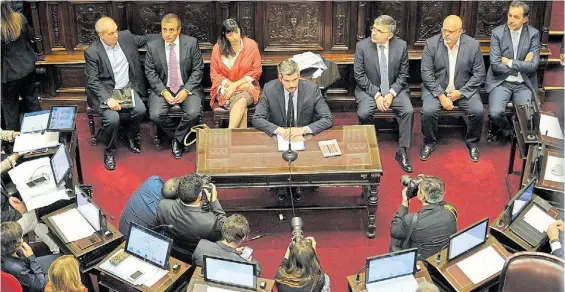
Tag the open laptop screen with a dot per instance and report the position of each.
(60, 164)
(88, 210)
(467, 239)
(392, 265)
(149, 245)
(523, 198)
(230, 273)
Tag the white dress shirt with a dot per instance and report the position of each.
(388, 61)
(119, 63)
(177, 53)
(515, 35)
(295, 103)
(452, 53)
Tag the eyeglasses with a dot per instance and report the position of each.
(376, 30)
(447, 31)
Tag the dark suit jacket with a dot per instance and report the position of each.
(367, 70)
(218, 249)
(470, 68)
(501, 46)
(434, 226)
(191, 64)
(311, 108)
(190, 223)
(18, 56)
(8, 212)
(98, 71)
(27, 270)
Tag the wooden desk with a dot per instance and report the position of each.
(543, 183)
(91, 255)
(449, 275)
(170, 282)
(198, 279)
(422, 275)
(242, 158)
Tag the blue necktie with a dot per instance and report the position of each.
(384, 71)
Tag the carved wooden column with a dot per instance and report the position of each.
(546, 25)
(225, 10)
(361, 20)
(38, 39)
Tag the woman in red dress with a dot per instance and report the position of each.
(235, 70)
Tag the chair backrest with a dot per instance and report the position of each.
(9, 283)
(530, 272)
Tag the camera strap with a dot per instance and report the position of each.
(410, 229)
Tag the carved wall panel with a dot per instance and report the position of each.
(293, 26)
(84, 16)
(396, 9)
(198, 21)
(147, 17)
(70, 76)
(430, 19)
(341, 27)
(55, 27)
(246, 18)
(490, 14)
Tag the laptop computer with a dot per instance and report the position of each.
(230, 273)
(392, 272)
(149, 246)
(517, 204)
(467, 239)
(61, 165)
(62, 118)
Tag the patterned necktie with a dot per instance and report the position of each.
(383, 66)
(290, 110)
(173, 70)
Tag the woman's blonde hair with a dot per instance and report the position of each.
(11, 23)
(64, 275)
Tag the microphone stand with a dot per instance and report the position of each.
(290, 155)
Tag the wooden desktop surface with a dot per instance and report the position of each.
(198, 279)
(454, 277)
(115, 283)
(543, 183)
(421, 276)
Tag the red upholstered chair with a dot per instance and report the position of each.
(532, 272)
(10, 283)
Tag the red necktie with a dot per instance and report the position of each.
(173, 69)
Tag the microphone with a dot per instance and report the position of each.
(290, 155)
(438, 257)
(358, 276)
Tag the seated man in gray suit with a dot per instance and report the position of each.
(514, 60)
(234, 232)
(272, 113)
(112, 62)
(381, 70)
(174, 69)
(452, 70)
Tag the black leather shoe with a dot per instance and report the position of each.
(404, 162)
(282, 193)
(176, 149)
(298, 194)
(426, 152)
(473, 153)
(109, 161)
(131, 144)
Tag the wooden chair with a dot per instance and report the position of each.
(221, 115)
(175, 112)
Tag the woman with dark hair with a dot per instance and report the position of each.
(18, 67)
(300, 270)
(235, 70)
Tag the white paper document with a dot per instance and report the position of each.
(72, 225)
(283, 144)
(200, 287)
(482, 265)
(554, 162)
(35, 122)
(538, 219)
(551, 125)
(150, 273)
(34, 141)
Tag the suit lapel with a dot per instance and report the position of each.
(442, 50)
(128, 57)
(376, 59)
(299, 101)
(182, 52)
(280, 98)
(460, 54)
(104, 57)
(161, 52)
(522, 42)
(391, 56)
(507, 39)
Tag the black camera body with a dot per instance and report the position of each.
(411, 185)
(206, 182)
(297, 233)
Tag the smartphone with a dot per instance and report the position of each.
(247, 252)
(136, 275)
(32, 183)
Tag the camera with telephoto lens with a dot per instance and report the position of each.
(297, 232)
(411, 185)
(206, 186)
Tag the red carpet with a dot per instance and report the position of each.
(476, 189)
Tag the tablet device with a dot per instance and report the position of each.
(62, 118)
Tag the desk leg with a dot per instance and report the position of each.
(512, 156)
(78, 164)
(371, 194)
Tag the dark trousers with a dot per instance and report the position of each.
(191, 109)
(11, 91)
(402, 107)
(473, 107)
(499, 97)
(111, 123)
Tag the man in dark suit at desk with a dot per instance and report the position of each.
(514, 59)
(174, 69)
(311, 113)
(555, 235)
(112, 62)
(436, 220)
(452, 70)
(191, 223)
(381, 70)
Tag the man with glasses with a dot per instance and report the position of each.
(452, 70)
(174, 69)
(514, 60)
(381, 70)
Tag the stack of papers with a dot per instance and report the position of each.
(550, 125)
(151, 273)
(482, 265)
(538, 219)
(33, 141)
(283, 144)
(72, 225)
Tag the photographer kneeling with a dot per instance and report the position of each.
(300, 270)
(428, 229)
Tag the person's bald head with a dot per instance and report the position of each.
(107, 30)
(452, 29)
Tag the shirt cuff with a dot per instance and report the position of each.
(377, 95)
(249, 79)
(275, 131)
(306, 130)
(555, 246)
(393, 92)
(510, 64)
